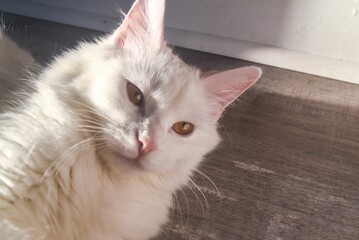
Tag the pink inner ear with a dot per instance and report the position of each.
(226, 86)
(144, 21)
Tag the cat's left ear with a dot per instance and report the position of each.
(144, 21)
(226, 86)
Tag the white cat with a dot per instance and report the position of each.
(109, 132)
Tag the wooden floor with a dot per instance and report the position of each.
(288, 167)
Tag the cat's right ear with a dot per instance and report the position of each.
(143, 22)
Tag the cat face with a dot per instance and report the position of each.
(156, 114)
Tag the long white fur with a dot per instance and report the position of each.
(67, 153)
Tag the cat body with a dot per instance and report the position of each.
(106, 134)
(52, 119)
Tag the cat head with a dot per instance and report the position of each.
(158, 115)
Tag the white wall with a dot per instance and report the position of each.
(319, 37)
(327, 28)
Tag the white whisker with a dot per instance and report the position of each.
(179, 208)
(213, 184)
(202, 207)
(187, 204)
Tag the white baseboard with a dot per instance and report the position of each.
(278, 57)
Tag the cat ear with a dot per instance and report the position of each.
(143, 21)
(226, 86)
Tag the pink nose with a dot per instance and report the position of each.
(145, 145)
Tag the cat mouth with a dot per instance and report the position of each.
(121, 155)
(121, 158)
(116, 155)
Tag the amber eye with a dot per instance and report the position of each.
(134, 94)
(183, 128)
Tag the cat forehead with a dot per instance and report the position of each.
(166, 86)
(164, 80)
(148, 68)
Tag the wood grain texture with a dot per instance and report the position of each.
(288, 166)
